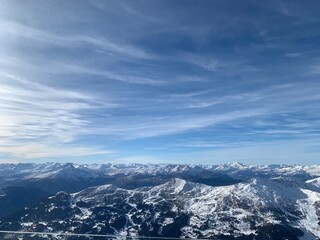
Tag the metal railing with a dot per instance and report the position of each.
(22, 235)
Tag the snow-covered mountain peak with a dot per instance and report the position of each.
(98, 190)
(177, 184)
(252, 209)
(174, 186)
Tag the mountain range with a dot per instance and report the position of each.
(229, 201)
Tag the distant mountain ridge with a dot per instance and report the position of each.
(52, 170)
(74, 177)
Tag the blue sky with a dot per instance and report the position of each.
(167, 81)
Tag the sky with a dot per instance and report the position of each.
(162, 81)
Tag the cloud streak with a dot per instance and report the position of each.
(36, 151)
(119, 77)
(31, 112)
(21, 31)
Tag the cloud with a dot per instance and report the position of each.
(304, 151)
(117, 73)
(33, 111)
(35, 151)
(142, 159)
(207, 63)
(135, 128)
(293, 151)
(293, 54)
(37, 120)
(123, 77)
(121, 50)
(314, 69)
(280, 131)
(202, 144)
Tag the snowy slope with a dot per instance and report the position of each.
(260, 207)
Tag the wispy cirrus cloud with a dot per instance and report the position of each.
(208, 152)
(31, 112)
(208, 63)
(39, 150)
(250, 152)
(146, 127)
(121, 76)
(314, 69)
(112, 75)
(122, 50)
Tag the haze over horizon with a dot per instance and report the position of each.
(160, 81)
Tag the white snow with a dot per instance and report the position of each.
(310, 218)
